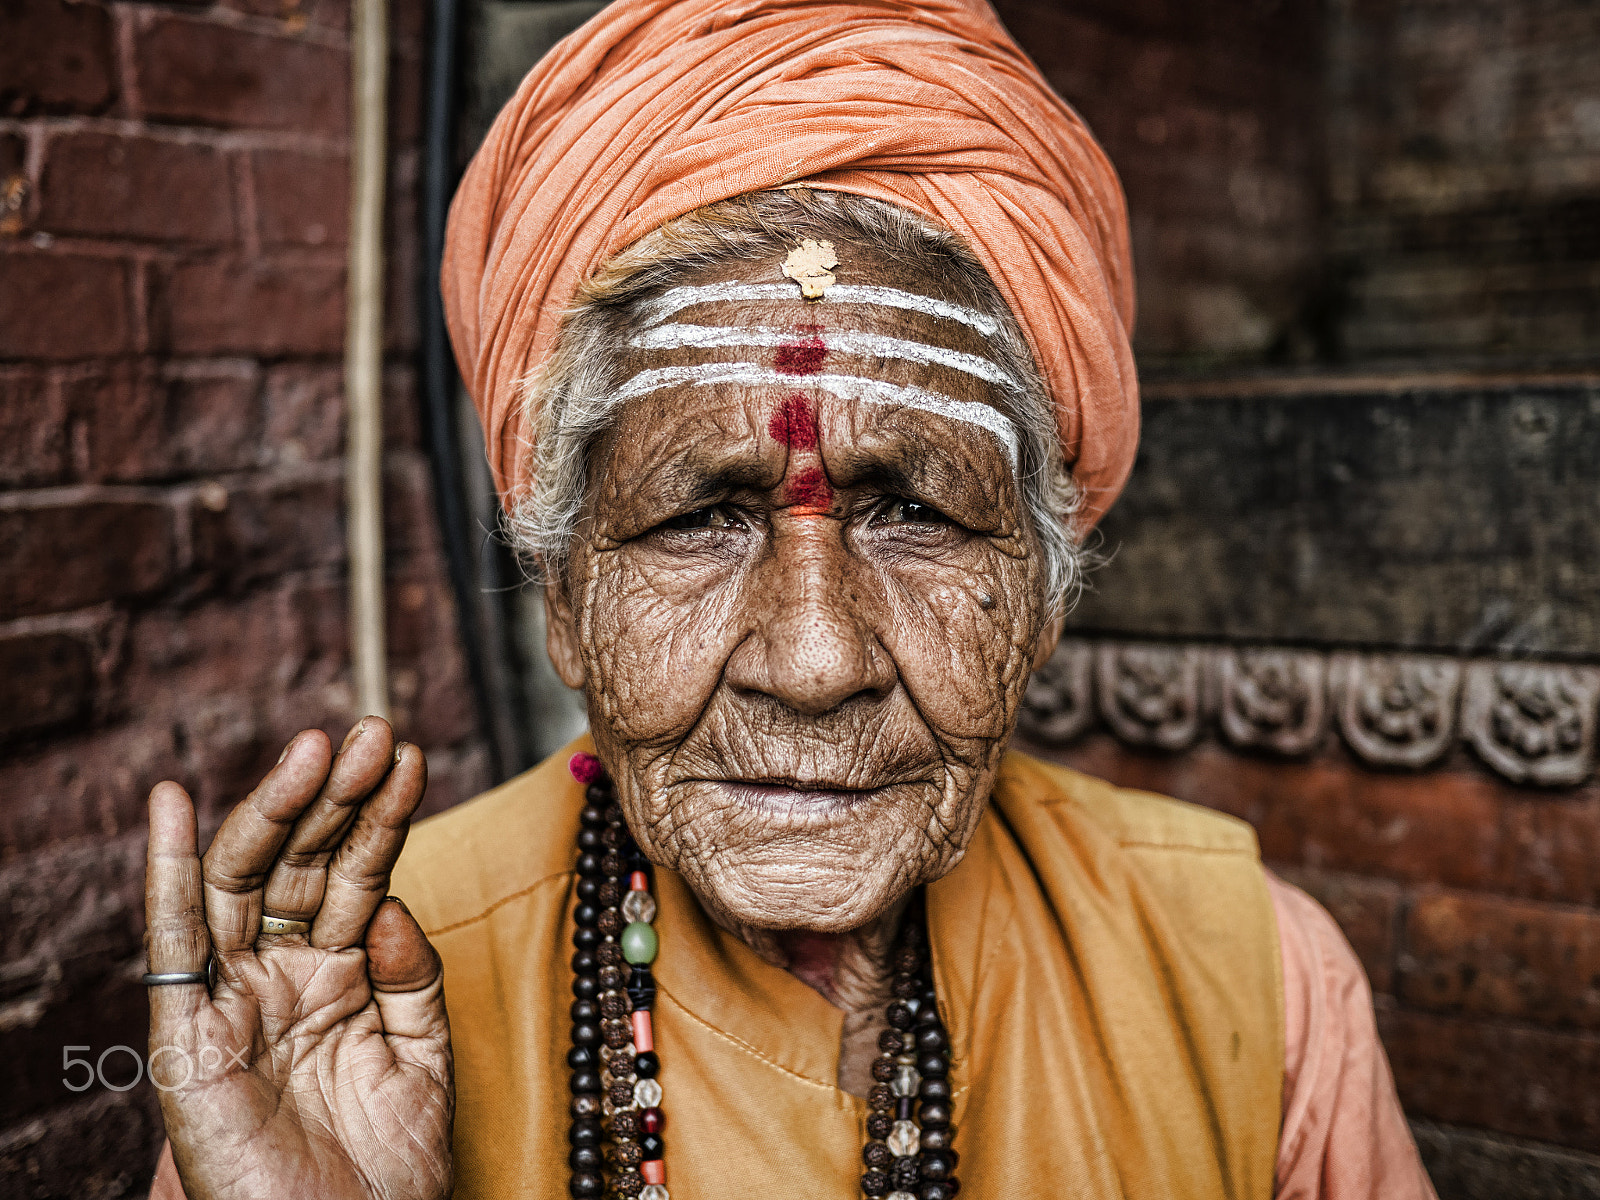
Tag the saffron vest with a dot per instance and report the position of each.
(1107, 966)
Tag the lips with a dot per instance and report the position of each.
(794, 797)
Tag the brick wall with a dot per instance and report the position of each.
(173, 191)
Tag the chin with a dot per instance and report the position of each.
(821, 895)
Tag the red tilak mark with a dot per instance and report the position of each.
(794, 424)
(803, 357)
(809, 493)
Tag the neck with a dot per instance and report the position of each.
(851, 969)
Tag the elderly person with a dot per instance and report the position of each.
(799, 332)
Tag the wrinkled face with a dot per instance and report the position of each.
(805, 598)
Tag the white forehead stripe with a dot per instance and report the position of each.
(680, 298)
(846, 387)
(844, 341)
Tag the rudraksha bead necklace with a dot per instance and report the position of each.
(617, 1119)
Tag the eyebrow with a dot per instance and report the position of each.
(844, 341)
(679, 298)
(846, 387)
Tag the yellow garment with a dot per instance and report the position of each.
(1107, 965)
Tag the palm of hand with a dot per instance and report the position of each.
(319, 1065)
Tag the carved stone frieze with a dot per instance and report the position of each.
(1533, 722)
(1151, 694)
(1059, 703)
(1396, 710)
(1273, 700)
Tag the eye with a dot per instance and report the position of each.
(715, 517)
(897, 510)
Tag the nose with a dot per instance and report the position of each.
(813, 645)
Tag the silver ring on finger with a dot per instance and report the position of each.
(283, 926)
(207, 975)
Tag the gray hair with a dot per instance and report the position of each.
(570, 403)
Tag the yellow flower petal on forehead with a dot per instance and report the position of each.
(810, 264)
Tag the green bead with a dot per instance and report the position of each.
(639, 944)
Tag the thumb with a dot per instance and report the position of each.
(399, 955)
(408, 986)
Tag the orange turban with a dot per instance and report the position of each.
(658, 107)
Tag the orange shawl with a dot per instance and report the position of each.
(658, 107)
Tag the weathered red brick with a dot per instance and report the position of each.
(138, 187)
(198, 71)
(433, 704)
(1367, 910)
(268, 307)
(76, 932)
(32, 430)
(249, 645)
(1510, 958)
(331, 15)
(64, 305)
(68, 552)
(301, 198)
(255, 530)
(50, 682)
(85, 786)
(1442, 827)
(138, 423)
(1552, 846)
(104, 1146)
(305, 415)
(55, 56)
(401, 323)
(16, 193)
(1529, 1082)
(409, 523)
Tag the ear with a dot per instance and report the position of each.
(561, 635)
(1049, 635)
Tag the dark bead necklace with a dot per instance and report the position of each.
(617, 1118)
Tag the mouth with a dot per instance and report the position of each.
(798, 796)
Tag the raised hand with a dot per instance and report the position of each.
(318, 1062)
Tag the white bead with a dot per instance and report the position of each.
(906, 1081)
(647, 1093)
(653, 1191)
(900, 1196)
(904, 1140)
(639, 906)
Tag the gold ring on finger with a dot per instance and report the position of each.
(279, 926)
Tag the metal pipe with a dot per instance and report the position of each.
(363, 354)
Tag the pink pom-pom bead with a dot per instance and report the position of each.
(585, 768)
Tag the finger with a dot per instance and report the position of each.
(408, 985)
(235, 867)
(358, 876)
(175, 922)
(295, 886)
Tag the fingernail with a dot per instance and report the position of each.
(353, 734)
(402, 905)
